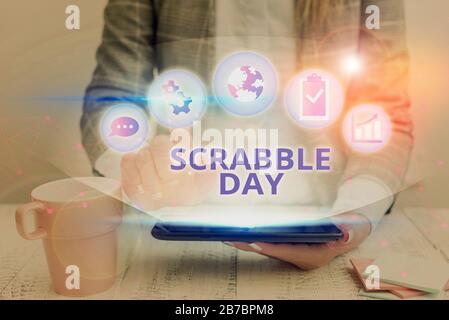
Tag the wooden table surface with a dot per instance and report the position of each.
(151, 269)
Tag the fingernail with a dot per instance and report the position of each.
(350, 236)
(157, 196)
(348, 233)
(255, 247)
(228, 243)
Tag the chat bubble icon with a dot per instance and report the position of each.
(124, 127)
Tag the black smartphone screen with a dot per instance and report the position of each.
(317, 232)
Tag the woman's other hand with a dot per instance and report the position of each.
(355, 228)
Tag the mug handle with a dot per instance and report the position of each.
(21, 212)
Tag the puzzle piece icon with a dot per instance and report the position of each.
(177, 109)
(170, 87)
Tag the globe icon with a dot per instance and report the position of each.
(245, 84)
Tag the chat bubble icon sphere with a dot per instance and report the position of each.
(124, 127)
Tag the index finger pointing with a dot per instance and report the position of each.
(160, 149)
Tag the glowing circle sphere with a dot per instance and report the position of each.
(314, 99)
(177, 98)
(124, 127)
(367, 128)
(245, 83)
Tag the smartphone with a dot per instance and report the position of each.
(318, 232)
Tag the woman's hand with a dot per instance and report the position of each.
(355, 228)
(149, 182)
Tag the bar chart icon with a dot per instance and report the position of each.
(367, 128)
(367, 131)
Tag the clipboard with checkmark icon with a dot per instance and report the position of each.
(314, 98)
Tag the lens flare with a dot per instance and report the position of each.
(352, 64)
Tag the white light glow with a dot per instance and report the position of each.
(352, 64)
(241, 216)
